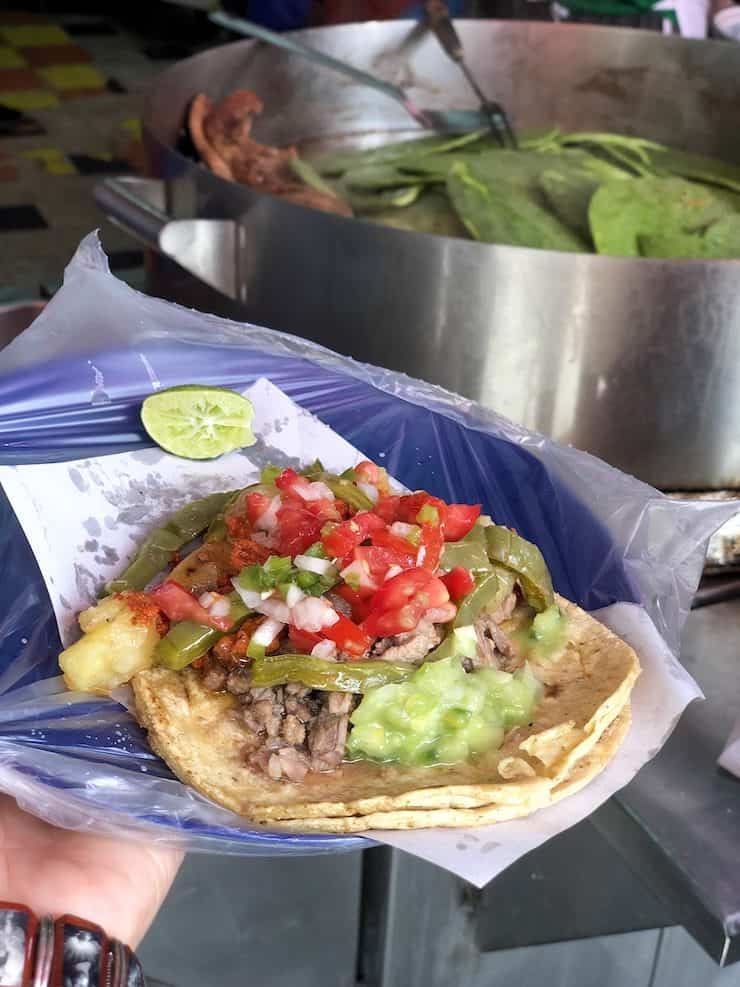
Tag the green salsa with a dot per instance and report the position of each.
(441, 714)
(546, 635)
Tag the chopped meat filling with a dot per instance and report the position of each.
(292, 729)
(495, 647)
(222, 136)
(412, 647)
(295, 730)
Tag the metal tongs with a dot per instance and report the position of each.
(444, 121)
(438, 19)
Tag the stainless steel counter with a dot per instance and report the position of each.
(678, 824)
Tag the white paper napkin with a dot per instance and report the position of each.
(729, 759)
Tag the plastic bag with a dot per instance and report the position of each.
(71, 386)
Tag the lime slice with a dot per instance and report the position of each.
(198, 422)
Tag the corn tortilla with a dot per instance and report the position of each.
(485, 815)
(587, 687)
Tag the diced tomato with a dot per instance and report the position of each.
(298, 529)
(347, 636)
(431, 544)
(324, 510)
(401, 602)
(294, 487)
(387, 508)
(340, 541)
(368, 523)
(456, 520)
(360, 604)
(303, 640)
(459, 582)
(367, 472)
(379, 560)
(410, 505)
(179, 605)
(257, 504)
(405, 552)
(460, 519)
(390, 622)
(407, 585)
(287, 479)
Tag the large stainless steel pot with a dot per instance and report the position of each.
(637, 361)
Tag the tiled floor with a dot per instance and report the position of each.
(71, 93)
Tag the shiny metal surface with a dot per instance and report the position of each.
(637, 361)
(439, 120)
(677, 823)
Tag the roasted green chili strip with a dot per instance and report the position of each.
(156, 550)
(184, 643)
(315, 471)
(526, 562)
(490, 591)
(346, 490)
(469, 552)
(330, 676)
(186, 640)
(217, 529)
(342, 487)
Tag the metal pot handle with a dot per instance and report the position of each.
(136, 205)
(207, 248)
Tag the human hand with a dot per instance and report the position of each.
(118, 884)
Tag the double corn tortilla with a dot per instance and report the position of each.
(577, 728)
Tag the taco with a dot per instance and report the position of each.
(336, 656)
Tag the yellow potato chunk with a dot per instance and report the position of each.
(112, 649)
(102, 613)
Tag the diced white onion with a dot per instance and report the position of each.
(314, 491)
(271, 606)
(402, 529)
(267, 521)
(294, 595)
(251, 599)
(322, 567)
(421, 555)
(267, 631)
(324, 649)
(216, 604)
(220, 607)
(312, 614)
(358, 572)
(276, 608)
(395, 570)
(370, 490)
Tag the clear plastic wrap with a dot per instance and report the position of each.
(71, 386)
